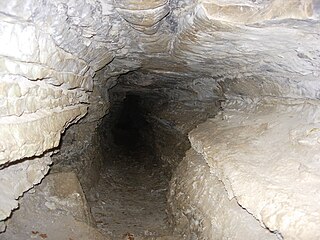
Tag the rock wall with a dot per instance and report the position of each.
(169, 127)
(18, 178)
(170, 111)
(59, 58)
(199, 206)
(263, 158)
(276, 145)
(49, 56)
(43, 92)
(58, 209)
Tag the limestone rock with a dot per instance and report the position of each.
(69, 219)
(18, 178)
(199, 206)
(58, 59)
(266, 158)
(32, 134)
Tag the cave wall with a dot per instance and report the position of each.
(260, 59)
(49, 57)
(171, 108)
(199, 206)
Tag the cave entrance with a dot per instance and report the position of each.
(130, 197)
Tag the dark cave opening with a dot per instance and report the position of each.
(143, 139)
(129, 124)
(131, 193)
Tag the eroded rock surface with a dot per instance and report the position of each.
(59, 58)
(57, 209)
(18, 178)
(199, 206)
(266, 157)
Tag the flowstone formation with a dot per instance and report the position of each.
(256, 61)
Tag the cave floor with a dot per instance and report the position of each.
(129, 201)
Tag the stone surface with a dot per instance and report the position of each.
(32, 134)
(47, 66)
(266, 156)
(170, 113)
(59, 58)
(18, 178)
(199, 206)
(58, 210)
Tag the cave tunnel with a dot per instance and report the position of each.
(160, 119)
(130, 124)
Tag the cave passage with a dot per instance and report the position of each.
(198, 115)
(130, 124)
(130, 197)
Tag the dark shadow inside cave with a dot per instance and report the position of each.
(129, 125)
(131, 194)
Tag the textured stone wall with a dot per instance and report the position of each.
(172, 108)
(199, 206)
(59, 58)
(266, 156)
(50, 53)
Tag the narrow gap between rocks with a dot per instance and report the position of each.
(130, 198)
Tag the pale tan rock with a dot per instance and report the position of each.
(241, 50)
(140, 4)
(199, 206)
(32, 134)
(24, 96)
(18, 178)
(267, 164)
(70, 219)
(142, 16)
(254, 12)
(146, 18)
